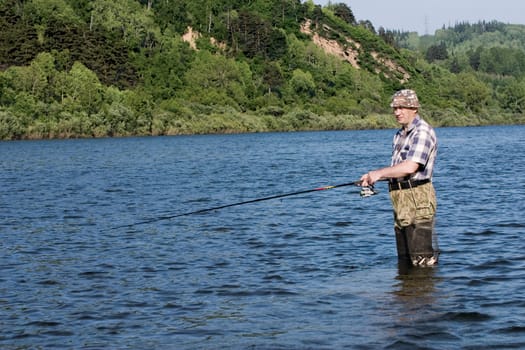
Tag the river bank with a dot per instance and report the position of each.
(220, 121)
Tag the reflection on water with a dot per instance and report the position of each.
(414, 281)
(414, 291)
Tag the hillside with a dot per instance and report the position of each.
(82, 68)
(485, 47)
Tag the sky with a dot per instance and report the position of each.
(425, 16)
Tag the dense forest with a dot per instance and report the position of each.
(98, 68)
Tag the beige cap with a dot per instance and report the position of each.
(405, 98)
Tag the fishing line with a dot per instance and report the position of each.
(365, 192)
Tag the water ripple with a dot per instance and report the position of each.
(313, 271)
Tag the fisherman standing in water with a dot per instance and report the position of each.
(409, 175)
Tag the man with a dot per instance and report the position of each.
(409, 175)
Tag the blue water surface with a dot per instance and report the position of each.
(94, 256)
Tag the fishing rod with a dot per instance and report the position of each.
(365, 192)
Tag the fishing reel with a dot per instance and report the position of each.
(367, 191)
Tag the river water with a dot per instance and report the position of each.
(87, 262)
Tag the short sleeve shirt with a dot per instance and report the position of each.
(418, 144)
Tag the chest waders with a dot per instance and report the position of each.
(414, 211)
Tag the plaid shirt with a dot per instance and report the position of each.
(418, 144)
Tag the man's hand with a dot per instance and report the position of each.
(370, 178)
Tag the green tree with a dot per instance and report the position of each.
(126, 18)
(475, 57)
(34, 79)
(80, 89)
(368, 25)
(171, 15)
(472, 92)
(18, 37)
(162, 69)
(302, 83)
(437, 52)
(255, 36)
(503, 61)
(45, 13)
(272, 77)
(344, 12)
(513, 96)
(43, 72)
(12, 126)
(215, 79)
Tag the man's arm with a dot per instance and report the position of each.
(399, 170)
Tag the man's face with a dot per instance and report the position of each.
(404, 116)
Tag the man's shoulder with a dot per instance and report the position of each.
(423, 124)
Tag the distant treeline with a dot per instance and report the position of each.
(98, 68)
